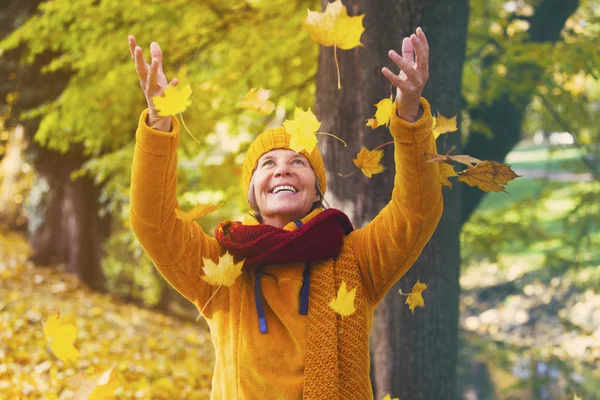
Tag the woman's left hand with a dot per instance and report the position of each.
(413, 75)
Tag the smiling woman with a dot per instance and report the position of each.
(275, 332)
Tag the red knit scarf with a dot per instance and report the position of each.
(319, 239)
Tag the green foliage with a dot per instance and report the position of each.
(222, 49)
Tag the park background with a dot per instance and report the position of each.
(512, 309)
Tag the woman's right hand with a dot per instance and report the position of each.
(152, 79)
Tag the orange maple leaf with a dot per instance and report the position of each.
(368, 161)
(415, 297)
(443, 125)
(383, 114)
(488, 176)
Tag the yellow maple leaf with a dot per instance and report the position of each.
(443, 125)
(446, 171)
(303, 129)
(335, 28)
(369, 161)
(224, 273)
(343, 304)
(383, 114)
(415, 298)
(575, 397)
(200, 210)
(257, 100)
(60, 338)
(98, 385)
(174, 101)
(388, 397)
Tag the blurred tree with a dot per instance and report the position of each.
(414, 356)
(64, 224)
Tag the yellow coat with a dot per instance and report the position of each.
(301, 356)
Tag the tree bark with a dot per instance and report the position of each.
(413, 356)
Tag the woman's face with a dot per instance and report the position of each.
(284, 186)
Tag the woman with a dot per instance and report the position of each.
(274, 334)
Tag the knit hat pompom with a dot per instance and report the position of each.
(278, 138)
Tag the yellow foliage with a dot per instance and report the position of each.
(369, 161)
(224, 273)
(334, 27)
(385, 107)
(199, 211)
(174, 101)
(443, 125)
(343, 304)
(258, 101)
(415, 298)
(60, 338)
(303, 129)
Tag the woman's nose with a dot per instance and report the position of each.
(282, 169)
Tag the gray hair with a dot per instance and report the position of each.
(256, 214)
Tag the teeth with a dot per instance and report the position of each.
(284, 187)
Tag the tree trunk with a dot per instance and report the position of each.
(413, 356)
(64, 225)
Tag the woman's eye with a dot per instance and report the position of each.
(267, 162)
(297, 160)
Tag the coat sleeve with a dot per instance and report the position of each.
(389, 245)
(176, 247)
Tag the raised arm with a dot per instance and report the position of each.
(175, 246)
(389, 245)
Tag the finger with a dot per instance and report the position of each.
(423, 38)
(401, 63)
(156, 52)
(395, 79)
(132, 46)
(140, 64)
(153, 77)
(420, 51)
(174, 82)
(407, 51)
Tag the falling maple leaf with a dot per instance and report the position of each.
(257, 100)
(368, 161)
(575, 397)
(343, 304)
(385, 107)
(60, 338)
(303, 129)
(174, 101)
(488, 176)
(388, 397)
(335, 28)
(97, 386)
(443, 125)
(415, 297)
(199, 211)
(224, 273)
(446, 171)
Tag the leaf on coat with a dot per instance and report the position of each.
(199, 211)
(96, 386)
(388, 397)
(415, 298)
(257, 100)
(385, 107)
(443, 125)
(335, 28)
(343, 304)
(174, 101)
(224, 273)
(369, 161)
(303, 129)
(60, 338)
(446, 171)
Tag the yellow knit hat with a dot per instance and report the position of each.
(278, 138)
